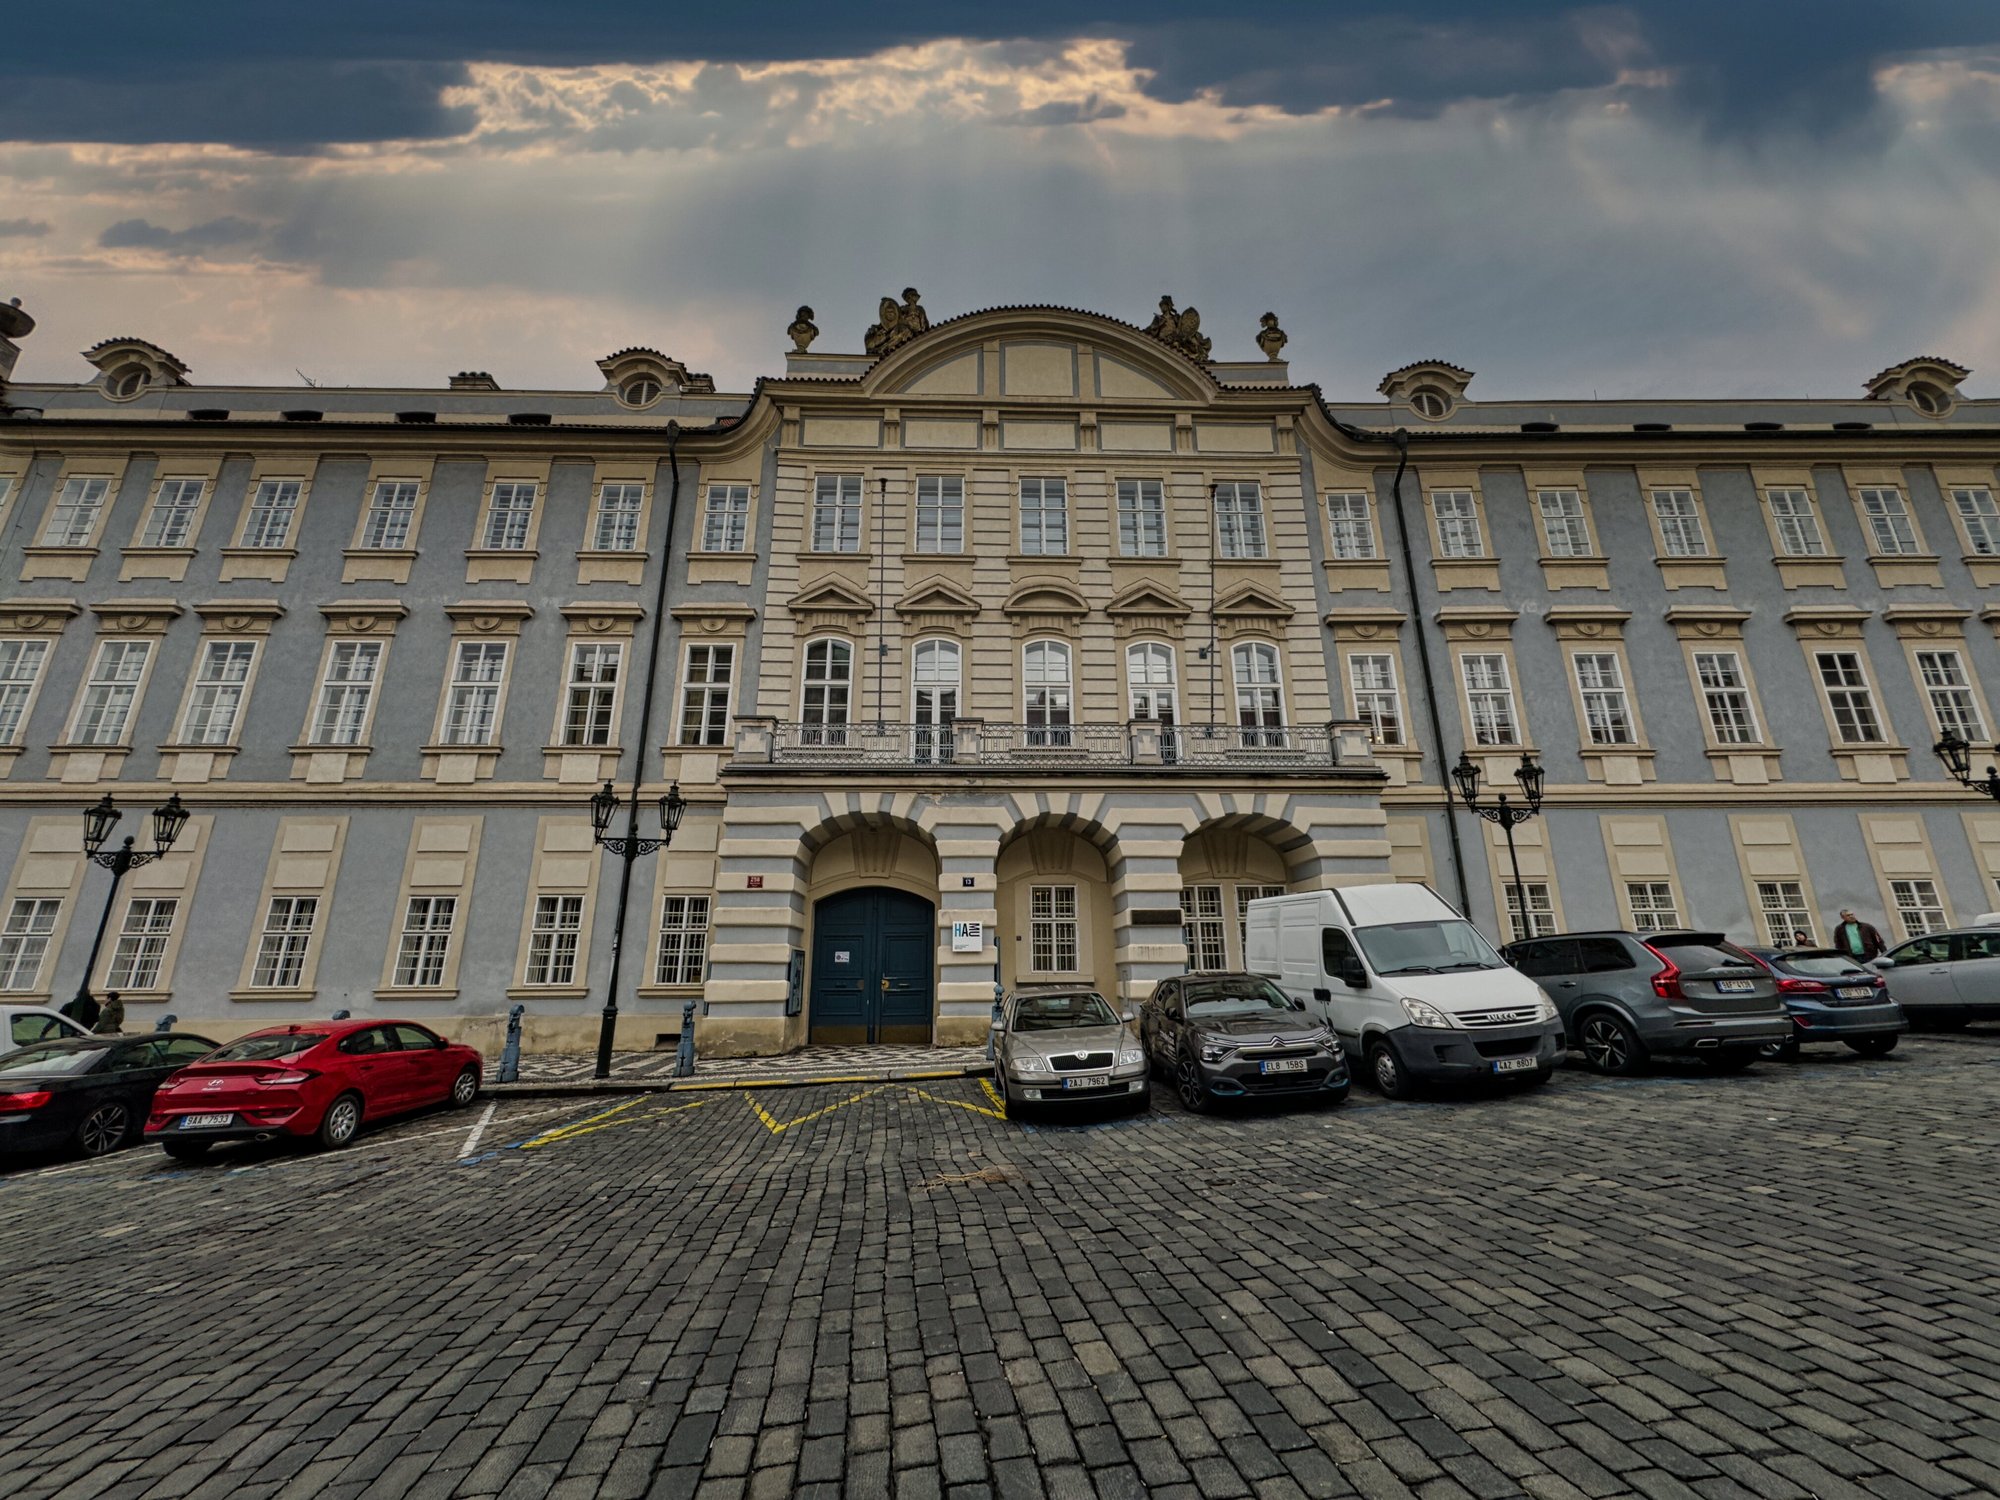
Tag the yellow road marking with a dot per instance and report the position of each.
(776, 1127)
(995, 1095)
(977, 1109)
(606, 1121)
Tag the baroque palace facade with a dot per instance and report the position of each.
(1027, 645)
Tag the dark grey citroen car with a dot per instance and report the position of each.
(1223, 1036)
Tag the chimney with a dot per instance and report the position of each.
(14, 324)
(474, 380)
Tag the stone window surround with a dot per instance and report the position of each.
(1627, 838)
(1828, 569)
(1921, 627)
(1343, 573)
(596, 564)
(270, 564)
(176, 877)
(1481, 572)
(1878, 837)
(475, 620)
(37, 619)
(71, 561)
(592, 620)
(1705, 572)
(49, 865)
(117, 619)
(566, 863)
(1839, 627)
(363, 564)
(1984, 567)
(1917, 569)
(355, 619)
(1760, 856)
(140, 559)
(304, 861)
(1377, 630)
(485, 564)
(443, 866)
(1589, 570)
(221, 620)
(1587, 628)
(1486, 630)
(1719, 627)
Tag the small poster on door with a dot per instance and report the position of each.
(840, 955)
(968, 937)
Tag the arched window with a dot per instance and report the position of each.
(1260, 695)
(1045, 683)
(829, 683)
(934, 683)
(1154, 691)
(127, 381)
(640, 390)
(1430, 403)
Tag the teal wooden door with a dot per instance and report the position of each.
(872, 976)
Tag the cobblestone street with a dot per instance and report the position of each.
(1784, 1284)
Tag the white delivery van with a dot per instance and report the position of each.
(1408, 985)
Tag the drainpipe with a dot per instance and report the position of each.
(1401, 438)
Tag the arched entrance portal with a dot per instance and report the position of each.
(872, 955)
(1224, 869)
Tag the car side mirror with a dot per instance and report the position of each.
(998, 1027)
(1325, 997)
(1884, 964)
(1354, 974)
(1129, 1017)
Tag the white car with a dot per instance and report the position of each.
(25, 1025)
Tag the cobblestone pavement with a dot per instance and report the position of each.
(1784, 1284)
(565, 1067)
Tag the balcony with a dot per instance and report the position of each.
(968, 744)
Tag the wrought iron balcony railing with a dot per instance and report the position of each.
(967, 743)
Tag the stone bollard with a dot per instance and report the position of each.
(510, 1055)
(999, 1000)
(684, 1059)
(166, 1023)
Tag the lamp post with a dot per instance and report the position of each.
(1508, 815)
(629, 847)
(1957, 757)
(98, 820)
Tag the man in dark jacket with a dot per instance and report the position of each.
(1857, 939)
(83, 1010)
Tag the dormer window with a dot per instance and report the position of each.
(1931, 400)
(1431, 388)
(127, 381)
(640, 390)
(1430, 403)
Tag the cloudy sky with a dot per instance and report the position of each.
(1662, 196)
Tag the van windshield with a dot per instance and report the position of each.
(1432, 947)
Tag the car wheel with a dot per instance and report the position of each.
(1730, 1059)
(1610, 1045)
(1873, 1046)
(1785, 1051)
(342, 1120)
(1390, 1080)
(464, 1088)
(1188, 1084)
(186, 1150)
(104, 1130)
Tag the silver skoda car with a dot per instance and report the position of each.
(1061, 1045)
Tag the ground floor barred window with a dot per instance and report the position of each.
(24, 941)
(1201, 927)
(552, 939)
(142, 944)
(1652, 903)
(1919, 908)
(427, 924)
(1052, 929)
(281, 950)
(683, 940)
(1781, 905)
(1540, 918)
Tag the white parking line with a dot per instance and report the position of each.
(472, 1139)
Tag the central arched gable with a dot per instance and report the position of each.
(1038, 353)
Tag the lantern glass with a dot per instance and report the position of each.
(671, 807)
(602, 806)
(97, 824)
(1529, 775)
(1956, 755)
(1466, 776)
(169, 818)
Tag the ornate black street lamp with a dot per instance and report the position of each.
(1508, 815)
(1957, 757)
(98, 820)
(628, 846)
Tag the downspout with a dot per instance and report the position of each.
(1401, 438)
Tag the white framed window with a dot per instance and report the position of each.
(1564, 529)
(1890, 530)
(1378, 703)
(1245, 894)
(1052, 928)
(510, 515)
(142, 943)
(24, 941)
(1607, 711)
(1679, 518)
(283, 944)
(705, 695)
(1351, 524)
(1457, 524)
(215, 701)
(1239, 519)
(1489, 698)
(1981, 517)
(272, 509)
(392, 515)
(553, 937)
(1652, 905)
(1919, 909)
(725, 523)
(1539, 920)
(683, 955)
(21, 663)
(836, 518)
(1782, 907)
(826, 692)
(1045, 689)
(1725, 697)
(619, 508)
(1142, 518)
(73, 518)
(346, 692)
(590, 701)
(1848, 697)
(1948, 686)
(1260, 694)
(426, 941)
(1152, 683)
(1201, 928)
(111, 692)
(472, 699)
(934, 685)
(941, 513)
(1044, 517)
(1796, 522)
(175, 504)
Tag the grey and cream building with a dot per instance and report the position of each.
(1029, 644)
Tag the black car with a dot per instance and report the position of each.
(1832, 998)
(1220, 1036)
(92, 1094)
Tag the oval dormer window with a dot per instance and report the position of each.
(1929, 399)
(1430, 402)
(640, 390)
(127, 381)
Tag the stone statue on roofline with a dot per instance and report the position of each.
(898, 323)
(1270, 337)
(803, 331)
(1181, 330)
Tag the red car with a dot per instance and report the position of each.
(317, 1079)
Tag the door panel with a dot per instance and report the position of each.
(873, 977)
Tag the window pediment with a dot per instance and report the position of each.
(1249, 602)
(1045, 599)
(830, 604)
(1148, 608)
(936, 599)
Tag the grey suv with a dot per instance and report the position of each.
(1627, 996)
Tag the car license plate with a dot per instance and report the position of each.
(206, 1122)
(1857, 992)
(1735, 986)
(1283, 1065)
(1095, 1081)
(1512, 1064)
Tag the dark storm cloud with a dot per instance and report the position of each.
(296, 77)
(24, 229)
(141, 234)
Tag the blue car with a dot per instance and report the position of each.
(1832, 998)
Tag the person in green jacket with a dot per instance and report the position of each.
(1856, 938)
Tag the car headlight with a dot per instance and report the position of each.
(1545, 1008)
(1215, 1051)
(1423, 1013)
(1130, 1057)
(1030, 1062)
